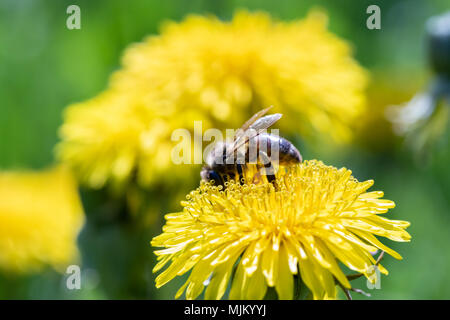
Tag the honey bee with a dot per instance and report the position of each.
(228, 159)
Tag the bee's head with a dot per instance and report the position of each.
(209, 174)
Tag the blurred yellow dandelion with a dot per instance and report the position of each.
(110, 140)
(220, 73)
(222, 67)
(315, 217)
(40, 217)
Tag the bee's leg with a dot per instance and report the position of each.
(240, 172)
(271, 176)
(225, 178)
(268, 167)
(221, 181)
(218, 180)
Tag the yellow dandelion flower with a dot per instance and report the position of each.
(218, 72)
(109, 140)
(40, 217)
(221, 67)
(316, 217)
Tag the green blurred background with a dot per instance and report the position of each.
(44, 67)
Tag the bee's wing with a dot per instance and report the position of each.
(265, 122)
(253, 131)
(250, 121)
